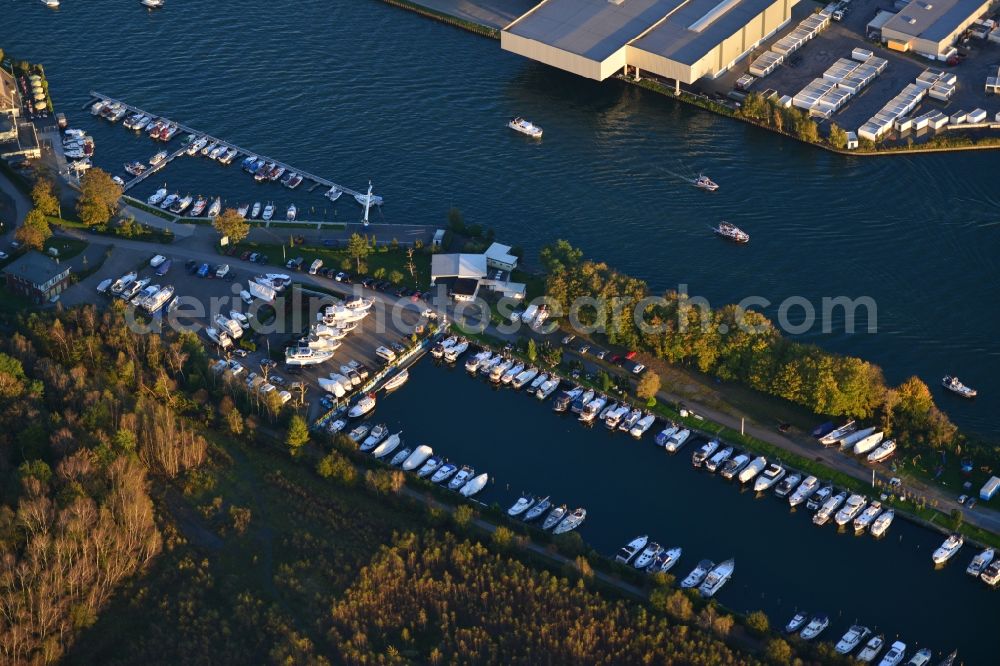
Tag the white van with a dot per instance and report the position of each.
(221, 271)
(315, 266)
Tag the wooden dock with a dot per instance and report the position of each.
(317, 181)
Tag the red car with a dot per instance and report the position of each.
(630, 355)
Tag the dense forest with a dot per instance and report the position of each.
(744, 346)
(142, 521)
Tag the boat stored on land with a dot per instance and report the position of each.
(883, 452)
(835, 436)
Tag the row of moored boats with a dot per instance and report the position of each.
(707, 577)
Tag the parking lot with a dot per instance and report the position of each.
(840, 38)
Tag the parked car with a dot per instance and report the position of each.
(245, 255)
(568, 339)
(253, 257)
(240, 353)
(638, 369)
(203, 270)
(630, 355)
(3, 255)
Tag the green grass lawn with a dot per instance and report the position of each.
(387, 259)
(67, 247)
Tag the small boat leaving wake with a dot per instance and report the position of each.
(705, 183)
(732, 232)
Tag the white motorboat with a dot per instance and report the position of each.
(170, 200)
(818, 497)
(452, 353)
(629, 550)
(359, 433)
(158, 158)
(547, 388)
(699, 457)
(629, 421)
(921, 658)
(703, 182)
(430, 466)
(815, 627)
(883, 452)
(524, 503)
(614, 417)
(732, 232)
(268, 212)
(804, 491)
(755, 467)
(717, 460)
(218, 337)
(498, 370)
(464, 475)
(291, 213)
(123, 282)
(665, 434)
(508, 376)
(867, 516)
(240, 318)
(337, 426)
(104, 285)
(303, 356)
(362, 407)
(895, 654)
(786, 485)
(538, 510)
(538, 381)
(417, 458)
(647, 555)
(474, 485)
(948, 549)
(866, 444)
(556, 515)
(444, 473)
(666, 560)
(473, 362)
(642, 425)
(835, 436)
(734, 466)
(215, 208)
(871, 649)
(571, 522)
(333, 193)
(991, 576)
(676, 441)
(255, 210)
(854, 505)
(376, 435)
(829, 508)
(592, 408)
(797, 622)
(980, 562)
(397, 380)
(525, 127)
(881, 524)
(158, 196)
(390, 444)
(518, 382)
(697, 575)
(958, 388)
(716, 578)
(402, 455)
(770, 476)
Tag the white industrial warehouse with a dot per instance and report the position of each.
(683, 40)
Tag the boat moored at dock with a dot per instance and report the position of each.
(716, 578)
(948, 549)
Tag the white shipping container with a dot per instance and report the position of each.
(958, 118)
(977, 116)
(861, 54)
(989, 489)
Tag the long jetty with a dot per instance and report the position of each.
(318, 181)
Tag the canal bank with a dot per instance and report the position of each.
(631, 487)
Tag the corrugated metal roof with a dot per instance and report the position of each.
(933, 20)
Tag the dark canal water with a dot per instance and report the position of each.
(783, 561)
(359, 90)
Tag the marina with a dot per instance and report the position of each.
(216, 143)
(730, 526)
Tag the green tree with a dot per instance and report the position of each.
(464, 515)
(560, 256)
(232, 225)
(298, 434)
(456, 222)
(778, 651)
(502, 538)
(758, 623)
(358, 249)
(395, 277)
(649, 386)
(337, 467)
(532, 351)
(34, 231)
(838, 137)
(99, 197)
(44, 197)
